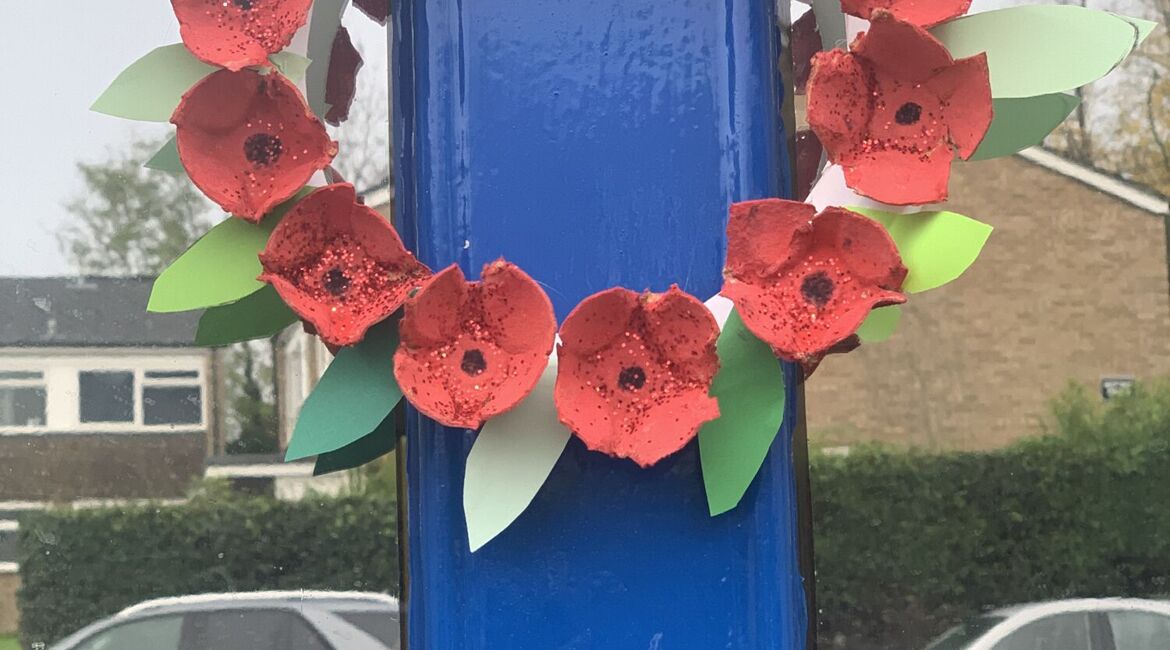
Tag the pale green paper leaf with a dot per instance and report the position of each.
(510, 460)
(936, 247)
(260, 315)
(323, 24)
(290, 64)
(166, 159)
(353, 398)
(150, 89)
(221, 267)
(1023, 122)
(1144, 27)
(751, 394)
(880, 324)
(1041, 49)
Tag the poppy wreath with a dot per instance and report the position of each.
(632, 373)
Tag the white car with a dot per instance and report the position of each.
(1082, 624)
(271, 620)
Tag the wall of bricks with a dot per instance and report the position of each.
(9, 615)
(1071, 286)
(64, 467)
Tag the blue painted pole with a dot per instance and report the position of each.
(595, 143)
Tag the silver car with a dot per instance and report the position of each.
(273, 620)
(1080, 624)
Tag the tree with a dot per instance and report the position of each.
(1123, 126)
(131, 220)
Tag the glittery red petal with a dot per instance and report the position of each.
(634, 397)
(238, 33)
(377, 10)
(516, 310)
(599, 320)
(840, 100)
(818, 292)
(760, 235)
(896, 178)
(339, 264)
(965, 92)
(432, 316)
(341, 81)
(919, 12)
(806, 42)
(900, 50)
(452, 364)
(249, 141)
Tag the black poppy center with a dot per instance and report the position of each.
(908, 113)
(262, 149)
(817, 288)
(473, 362)
(243, 4)
(335, 281)
(632, 378)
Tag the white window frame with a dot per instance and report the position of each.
(39, 382)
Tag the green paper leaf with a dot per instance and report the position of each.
(290, 64)
(1023, 122)
(220, 268)
(750, 390)
(880, 324)
(167, 159)
(152, 86)
(936, 247)
(260, 315)
(511, 458)
(353, 397)
(370, 447)
(323, 24)
(1040, 49)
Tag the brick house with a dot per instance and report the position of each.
(99, 401)
(1072, 285)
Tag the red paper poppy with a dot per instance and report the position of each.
(239, 33)
(894, 110)
(924, 13)
(472, 350)
(249, 141)
(339, 264)
(635, 371)
(804, 282)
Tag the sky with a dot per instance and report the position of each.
(47, 122)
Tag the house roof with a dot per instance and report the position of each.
(87, 312)
(1098, 180)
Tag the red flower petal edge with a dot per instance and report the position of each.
(341, 81)
(472, 350)
(249, 141)
(804, 282)
(923, 13)
(893, 111)
(339, 264)
(635, 371)
(239, 33)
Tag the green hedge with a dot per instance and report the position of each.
(908, 543)
(78, 566)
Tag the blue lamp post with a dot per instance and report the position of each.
(595, 143)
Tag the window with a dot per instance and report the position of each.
(1140, 631)
(22, 398)
(171, 397)
(1060, 632)
(256, 630)
(106, 396)
(161, 633)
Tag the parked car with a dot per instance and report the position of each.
(272, 620)
(1083, 624)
